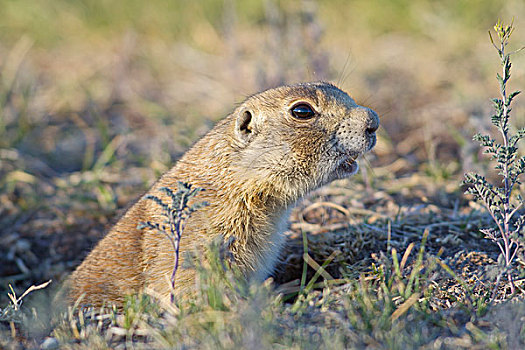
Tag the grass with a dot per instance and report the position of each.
(98, 101)
(391, 306)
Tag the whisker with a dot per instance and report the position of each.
(342, 76)
(365, 159)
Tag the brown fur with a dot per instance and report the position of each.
(254, 165)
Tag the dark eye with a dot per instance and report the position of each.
(302, 111)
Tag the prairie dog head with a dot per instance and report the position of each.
(302, 136)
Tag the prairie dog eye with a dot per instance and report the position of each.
(302, 111)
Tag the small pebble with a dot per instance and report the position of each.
(49, 344)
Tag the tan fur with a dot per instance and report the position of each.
(253, 170)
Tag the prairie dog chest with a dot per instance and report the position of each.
(268, 257)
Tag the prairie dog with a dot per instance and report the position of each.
(254, 165)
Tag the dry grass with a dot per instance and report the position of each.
(98, 102)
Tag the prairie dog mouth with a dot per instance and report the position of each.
(349, 166)
(351, 159)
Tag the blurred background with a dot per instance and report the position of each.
(100, 97)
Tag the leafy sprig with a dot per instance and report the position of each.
(176, 213)
(500, 200)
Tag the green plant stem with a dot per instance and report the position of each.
(175, 241)
(506, 175)
(305, 264)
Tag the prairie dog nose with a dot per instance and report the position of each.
(373, 121)
(366, 120)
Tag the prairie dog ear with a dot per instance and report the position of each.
(245, 126)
